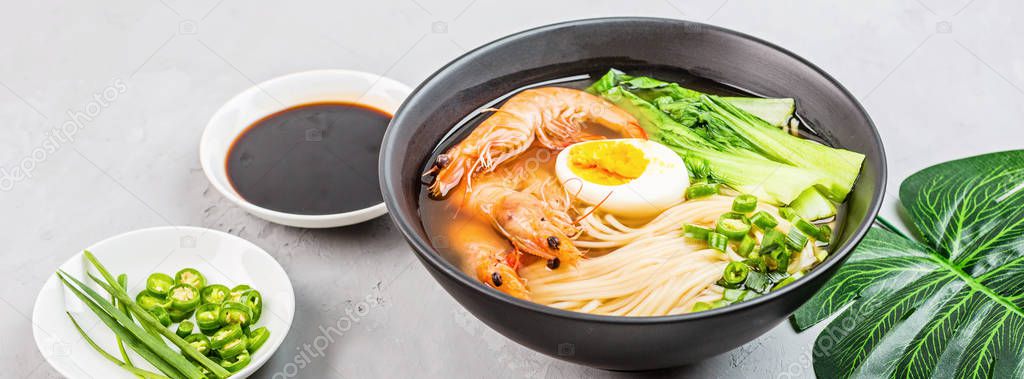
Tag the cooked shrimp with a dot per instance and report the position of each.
(551, 116)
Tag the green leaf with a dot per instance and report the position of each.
(947, 306)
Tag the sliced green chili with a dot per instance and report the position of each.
(224, 335)
(161, 315)
(237, 291)
(234, 313)
(159, 283)
(185, 329)
(200, 342)
(148, 301)
(699, 190)
(179, 316)
(208, 317)
(237, 363)
(257, 337)
(234, 347)
(745, 203)
(254, 301)
(191, 277)
(764, 220)
(184, 297)
(215, 294)
(735, 273)
(733, 225)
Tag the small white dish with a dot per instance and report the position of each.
(223, 258)
(283, 93)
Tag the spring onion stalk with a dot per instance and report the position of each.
(145, 317)
(122, 280)
(125, 365)
(150, 348)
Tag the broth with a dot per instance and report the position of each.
(438, 215)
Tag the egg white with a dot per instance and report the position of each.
(662, 184)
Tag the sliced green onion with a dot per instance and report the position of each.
(746, 245)
(788, 280)
(807, 227)
(700, 306)
(787, 213)
(757, 282)
(772, 238)
(696, 232)
(796, 240)
(733, 295)
(699, 190)
(825, 232)
(733, 225)
(779, 259)
(717, 241)
(735, 273)
(764, 220)
(745, 203)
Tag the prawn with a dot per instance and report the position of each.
(551, 116)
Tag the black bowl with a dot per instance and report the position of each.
(592, 46)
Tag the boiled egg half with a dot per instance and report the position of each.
(628, 177)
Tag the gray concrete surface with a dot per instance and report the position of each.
(942, 79)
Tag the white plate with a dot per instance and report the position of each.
(281, 93)
(221, 257)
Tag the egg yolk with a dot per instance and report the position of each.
(607, 162)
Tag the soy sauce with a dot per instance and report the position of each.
(312, 159)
